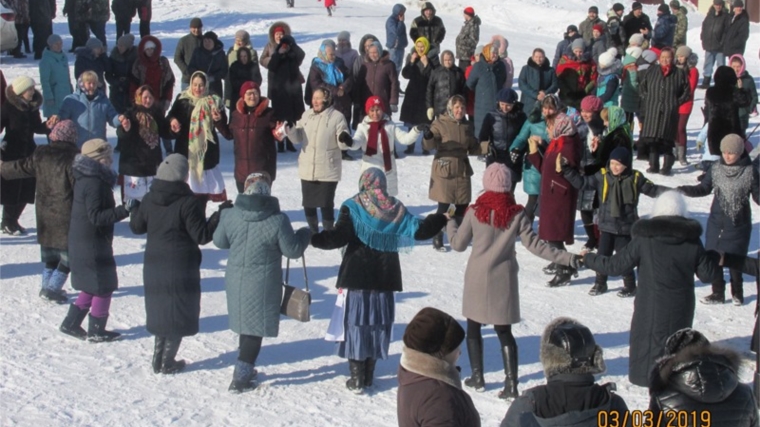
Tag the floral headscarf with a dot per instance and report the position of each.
(201, 124)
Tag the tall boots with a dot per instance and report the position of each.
(158, 353)
(313, 223)
(737, 289)
(328, 224)
(475, 352)
(169, 365)
(509, 357)
(600, 285)
(718, 295)
(438, 242)
(592, 242)
(97, 333)
(369, 371)
(72, 324)
(654, 160)
(681, 152)
(243, 378)
(358, 371)
(629, 287)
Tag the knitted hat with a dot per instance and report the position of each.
(683, 51)
(683, 338)
(670, 203)
(578, 44)
(718, 3)
(636, 40)
(732, 144)
(344, 35)
(598, 27)
(97, 149)
(249, 85)
(196, 23)
(507, 95)
(622, 155)
(593, 9)
(242, 34)
(469, 11)
(174, 168)
(592, 103)
(636, 6)
(737, 3)
(649, 56)
(433, 332)
(93, 43)
(258, 183)
(371, 102)
(617, 7)
(675, 4)
(126, 41)
(53, 39)
(572, 28)
(497, 178)
(568, 347)
(149, 45)
(663, 8)
(634, 51)
(21, 84)
(607, 58)
(65, 131)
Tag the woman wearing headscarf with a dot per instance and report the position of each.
(194, 118)
(417, 69)
(486, 79)
(445, 82)
(491, 291)
(329, 72)
(374, 227)
(255, 225)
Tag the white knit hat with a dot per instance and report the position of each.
(670, 203)
(21, 84)
(634, 51)
(607, 58)
(636, 40)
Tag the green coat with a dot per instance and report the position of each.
(629, 99)
(55, 79)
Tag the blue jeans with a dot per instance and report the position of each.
(397, 56)
(711, 58)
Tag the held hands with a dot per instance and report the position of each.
(345, 138)
(132, 205)
(341, 92)
(176, 127)
(430, 113)
(125, 123)
(533, 144)
(559, 163)
(216, 115)
(576, 262)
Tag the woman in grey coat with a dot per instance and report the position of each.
(493, 224)
(258, 235)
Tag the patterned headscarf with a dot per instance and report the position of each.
(562, 126)
(617, 119)
(148, 128)
(201, 124)
(258, 183)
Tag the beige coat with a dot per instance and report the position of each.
(491, 291)
(320, 157)
(451, 171)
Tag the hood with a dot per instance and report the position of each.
(141, 49)
(361, 43)
(164, 193)
(693, 59)
(740, 58)
(670, 229)
(683, 10)
(704, 373)
(84, 52)
(55, 55)
(475, 20)
(285, 28)
(416, 366)
(503, 45)
(724, 78)
(398, 9)
(256, 207)
(258, 111)
(425, 6)
(20, 103)
(84, 166)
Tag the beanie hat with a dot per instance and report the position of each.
(65, 131)
(718, 3)
(344, 35)
(21, 84)
(592, 103)
(636, 40)
(568, 347)
(617, 7)
(497, 178)
(593, 9)
(371, 102)
(469, 11)
(683, 51)
(507, 95)
(93, 43)
(242, 34)
(598, 27)
(634, 51)
(53, 39)
(578, 44)
(258, 183)
(97, 149)
(675, 4)
(622, 155)
(249, 85)
(663, 8)
(572, 28)
(126, 41)
(683, 338)
(670, 203)
(732, 144)
(174, 168)
(737, 3)
(607, 58)
(478, 50)
(149, 45)
(433, 332)
(196, 23)
(636, 6)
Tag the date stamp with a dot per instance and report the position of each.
(654, 419)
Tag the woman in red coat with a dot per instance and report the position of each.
(687, 61)
(557, 198)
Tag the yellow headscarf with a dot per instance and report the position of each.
(424, 41)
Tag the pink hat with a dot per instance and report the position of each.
(497, 178)
(64, 131)
(249, 85)
(591, 103)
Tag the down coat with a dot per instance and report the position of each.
(443, 84)
(320, 156)
(531, 176)
(432, 29)
(714, 30)
(55, 79)
(121, 86)
(284, 79)
(450, 173)
(212, 62)
(737, 34)
(175, 223)
(91, 116)
(535, 78)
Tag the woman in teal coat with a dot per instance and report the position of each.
(535, 125)
(54, 76)
(258, 234)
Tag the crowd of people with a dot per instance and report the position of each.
(568, 135)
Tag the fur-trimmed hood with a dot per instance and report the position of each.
(704, 373)
(84, 166)
(285, 30)
(20, 103)
(429, 366)
(557, 360)
(673, 228)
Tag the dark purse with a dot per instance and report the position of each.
(295, 301)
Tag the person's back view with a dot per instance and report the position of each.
(698, 377)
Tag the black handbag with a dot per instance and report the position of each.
(295, 301)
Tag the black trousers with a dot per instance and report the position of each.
(22, 30)
(608, 243)
(41, 31)
(250, 346)
(328, 213)
(79, 33)
(123, 27)
(98, 31)
(11, 213)
(144, 28)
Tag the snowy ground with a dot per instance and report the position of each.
(51, 380)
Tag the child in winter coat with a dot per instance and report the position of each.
(747, 82)
(609, 69)
(54, 76)
(376, 136)
(618, 187)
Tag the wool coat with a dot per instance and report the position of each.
(284, 79)
(93, 214)
(535, 78)
(51, 165)
(468, 38)
(55, 79)
(737, 34)
(182, 110)
(668, 253)
(21, 120)
(377, 79)
(183, 53)
(430, 393)
(175, 223)
(320, 156)
(491, 287)
(258, 235)
(661, 96)
(154, 71)
(140, 157)
(450, 173)
(90, 115)
(531, 176)
(212, 62)
(442, 85)
(714, 29)
(119, 77)
(414, 108)
(557, 196)
(485, 80)
(317, 80)
(629, 85)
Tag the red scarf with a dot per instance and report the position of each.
(502, 205)
(374, 129)
(666, 69)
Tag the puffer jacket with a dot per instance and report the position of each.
(443, 84)
(714, 30)
(91, 116)
(500, 130)
(212, 62)
(320, 156)
(629, 93)
(432, 29)
(395, 30)
(468, 38)
(737, 34)
(119, 78)
(664, 30)
(535, 78)
(535, 125)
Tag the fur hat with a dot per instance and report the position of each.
(249, 85)
(578, 44)
(372, 101)
(568, 347)
(670, 203)
(21, 84)
(636, 6)
(634, 51)
(93, 43)
(97, 149)
(683, 51)
(622, 155)
(592, 103)
(127, 41)
(636, 40)
(732, 144)
(196, 23)
(174, 168)
(65, 130)
(607, 59)
(507, 95)
(53, 39)
(433, 332)
(684, 338)
(469, 11)
(497, 178)
(344, 35)
(258, 183)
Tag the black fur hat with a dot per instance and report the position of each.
(568, 347)
(682, 339)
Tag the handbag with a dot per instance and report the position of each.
(295, 301)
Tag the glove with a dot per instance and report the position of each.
(428, 134)
(132, 205)
(394, 108)
(422, 128)
(226, 205)
(576, 262)
(515, 155)
(345, 138)
(430, 113)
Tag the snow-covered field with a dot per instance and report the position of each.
(48, 379)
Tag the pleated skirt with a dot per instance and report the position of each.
(369, 324)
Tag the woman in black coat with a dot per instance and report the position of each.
(176, 224)
(499, 130)
(537, 79)
(210, 58)
(722, 102)
(668, 253)
(417, 69)
(445, 82)
(241, 71)
(285, 80)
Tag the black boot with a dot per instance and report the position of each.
(438, 242)
(313, 223)
(629, 287)
(654, 160)
(410, 149)
(550, 269)
(509, 357)
(243, 379)
(169, 365)
(600, 285)
(475, 352)
(328, 224)
(158, 354)
(737, 289)
(668, 159)
(592, 242)
(280, 146)
(705, 82)
(369, 371)
(357, 369)
(681, 151)
(72, 324)
(718, 295)
(563, 276)
(96, 332)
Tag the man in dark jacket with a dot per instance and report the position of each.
(713, 33)
(185, 48)
(210, 58)
(41, 14)
(637, 22)
(738, 31)
(395, 36)
(586, 28)
(563, 47)
(429, 26)
(665, 28)
(571, 397)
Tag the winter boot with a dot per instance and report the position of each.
(550, 269)
(509, 357)
(475, 352)
(681, 151)
(158, 354)
(592, 242)
(369, 371)
(438, 242)
(313, 223)
(668, 159)
(72, 324)
(46, 274)
(737, 290)
(54, 290)
(705, 82)
(243, 379)
(356, 382)
(718, 295)
(289, 146)
(629, 287)
(345, 156)
(563, 276)
(328, 224)
(654, 161)
(97, 333)
(169, 365)
(600, 285)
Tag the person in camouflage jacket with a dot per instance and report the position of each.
(95, 13)
(468, 38)
(683, 23)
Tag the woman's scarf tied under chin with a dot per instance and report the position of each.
(201, 129)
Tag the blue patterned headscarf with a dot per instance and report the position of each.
(331, 74)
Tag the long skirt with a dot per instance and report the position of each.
(368, 325)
